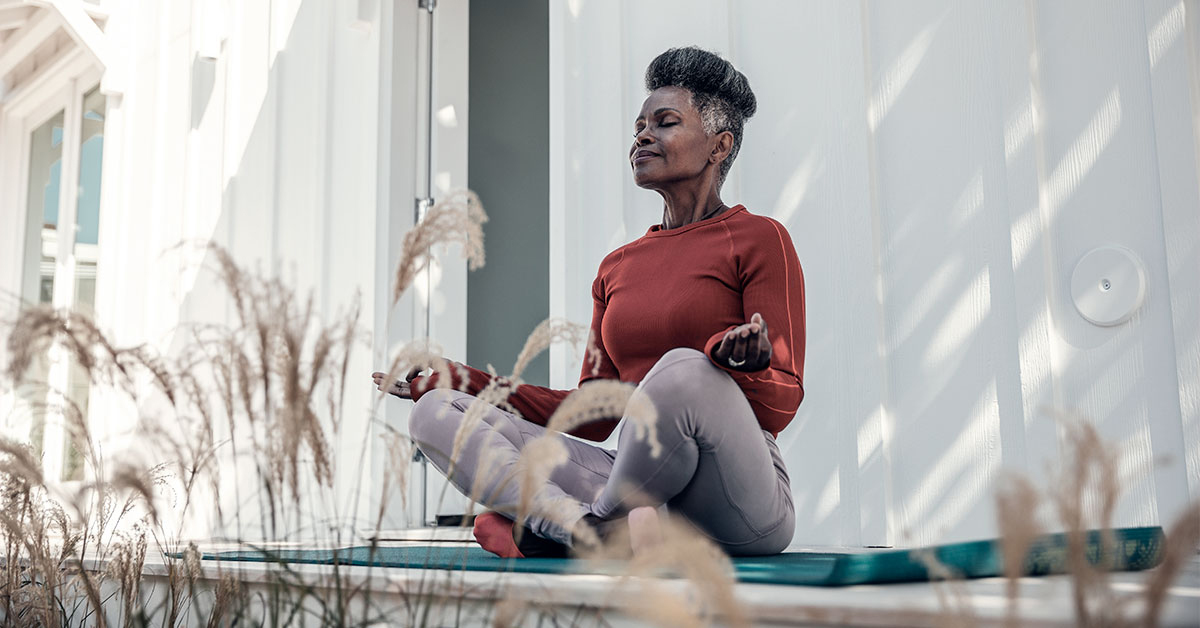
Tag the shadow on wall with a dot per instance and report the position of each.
(958, 221)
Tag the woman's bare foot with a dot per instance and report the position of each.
(494, 532)
(645, 530)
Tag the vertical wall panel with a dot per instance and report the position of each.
(942, 167)
(1175, 109)
(1100, 186)
(805, 162)
(596, 134)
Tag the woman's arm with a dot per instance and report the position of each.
(773, 290)
(534, 403)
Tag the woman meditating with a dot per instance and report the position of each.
(705, 312)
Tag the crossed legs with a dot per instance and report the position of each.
(717, 467)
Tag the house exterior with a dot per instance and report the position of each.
(997, 207)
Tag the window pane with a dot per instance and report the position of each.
(91, 149)
(45, 171)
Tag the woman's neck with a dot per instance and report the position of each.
(678, 212)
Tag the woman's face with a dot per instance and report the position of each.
(669, 143)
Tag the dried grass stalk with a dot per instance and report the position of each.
(957, 610)
(1016, 503)
(509, 613)
(607, 399)
(395, 474)
(228, 594)
(39, 327)
(1085, 497)
(458, 218)
(686, 551)
(546, 333)
(135, 480)
(495, 394)
(1183, 538)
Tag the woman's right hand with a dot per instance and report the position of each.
(401, 388)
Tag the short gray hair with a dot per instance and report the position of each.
(720, 93)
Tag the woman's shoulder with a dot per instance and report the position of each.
(756, 226)
(611, 262)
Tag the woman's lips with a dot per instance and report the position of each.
(642, 156)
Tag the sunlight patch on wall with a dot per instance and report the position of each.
(871, 437)
(893, 81)
(962, 322)
(1026, 233)
(922, 305)
(1165, 33)
(969, 202)
(796, 188)
(1084, 153)
(961, 477)
(830, 497)
(1018, 130)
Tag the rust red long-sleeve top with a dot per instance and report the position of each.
(687, 287)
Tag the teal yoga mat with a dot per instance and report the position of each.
(1133, 549)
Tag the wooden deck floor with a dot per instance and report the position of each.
(448, 598)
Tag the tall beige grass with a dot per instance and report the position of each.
(1083, 494)
(264, 398)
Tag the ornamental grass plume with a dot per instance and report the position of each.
(229, 596)
(509, 612)
(1085, 496)
(1183, 537)
(495, 394)
(950, 588)
(609, 399)
(1016, 502)
(395, 471)
(458, 218)
(41, 326)
(546, 333)
(687, 552)
(137, 482)
(125, 567)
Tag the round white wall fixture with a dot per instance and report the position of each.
(1108, 285)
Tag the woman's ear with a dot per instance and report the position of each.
(721, 148)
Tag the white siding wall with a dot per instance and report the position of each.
(286, 132)
(942, 167)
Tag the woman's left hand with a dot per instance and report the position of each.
(746, 347)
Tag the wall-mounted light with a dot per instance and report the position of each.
(1108, 285)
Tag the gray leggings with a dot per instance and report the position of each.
(717, 467)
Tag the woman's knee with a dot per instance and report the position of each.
(680, 375)
(430, 415)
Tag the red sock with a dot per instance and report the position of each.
(494, 532)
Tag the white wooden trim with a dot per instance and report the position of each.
(22, 101)
(560, 355)
(80, 26)
(22, 43)
(58, 377)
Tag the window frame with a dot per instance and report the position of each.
(61, 86)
